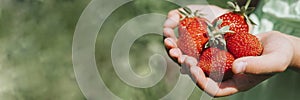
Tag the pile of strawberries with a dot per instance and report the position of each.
(216, 45)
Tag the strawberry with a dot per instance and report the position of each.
(243, 44)
(192, 33)
(236, 22)
(216, 63)
(237, 19)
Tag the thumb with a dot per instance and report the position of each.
(264, 64)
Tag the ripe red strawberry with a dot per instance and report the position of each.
(192, 33)
(215, 61)
(216, 64)
(243, 44)
(237, 19)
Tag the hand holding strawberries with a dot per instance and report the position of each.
(248, 71)
(216, 45)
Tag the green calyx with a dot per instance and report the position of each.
(216, 35)
(244, 10)
(188, 12)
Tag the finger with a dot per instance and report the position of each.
(182, 58)
(275, 58)
(186, 63)
(169, 33)
(206, 84)
(211, 87)
(170, 43)
(190, 61)
(175, 53)
(173, 13)
(172, 19)
(198, 76)
(183, 69)
(259, 65)
(267, 63)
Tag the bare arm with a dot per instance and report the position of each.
(296, 56)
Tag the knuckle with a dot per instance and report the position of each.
(172, 13)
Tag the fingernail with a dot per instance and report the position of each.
(171, 42)
(167, 42)
(174, 53)
(240, 67)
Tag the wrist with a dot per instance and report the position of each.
(296, 51)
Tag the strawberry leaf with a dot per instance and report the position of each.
(210, 33)
(188, 10)
(237, 7)
(243, 9)
(247, 4)
(249, 10)
(249, 20)
(219, 22)
(224, 29)
(231, 5)
(183, 12)
(197, 13)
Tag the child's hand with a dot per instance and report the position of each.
(249, 71)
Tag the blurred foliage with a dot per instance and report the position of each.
(36, 40)
(140, 51)
(36, 53)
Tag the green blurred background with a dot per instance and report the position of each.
(36, 50)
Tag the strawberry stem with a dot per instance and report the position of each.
(216, 35)
(247, 4)
(244, 10)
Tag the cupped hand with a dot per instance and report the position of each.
(252, 70)
(249, 71)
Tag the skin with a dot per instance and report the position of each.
(249, 71)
